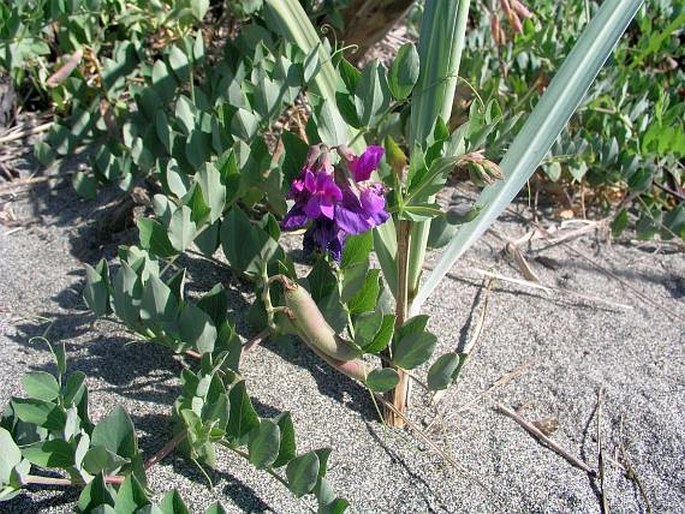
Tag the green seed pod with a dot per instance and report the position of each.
(312, 327)
(356, 368)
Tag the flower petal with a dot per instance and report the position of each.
(366, 163)
(351, 222)
(313, 207)
(294, 219)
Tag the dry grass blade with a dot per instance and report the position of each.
(546, 441)
(550, 289)
(600, 454)
(430, 443)
(500, 382)
(24, 132)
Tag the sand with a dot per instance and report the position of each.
(625, 338)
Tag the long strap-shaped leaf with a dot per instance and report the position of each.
(441, 43)
(544, 124)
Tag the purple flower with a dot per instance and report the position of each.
(335, 207)
(361, 210)
(366, 163)
(324, 193)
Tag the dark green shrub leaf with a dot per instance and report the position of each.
(382, 380)
(404, 71)
(40, 385)
(441, 373)
(263, 447)
(303, 473)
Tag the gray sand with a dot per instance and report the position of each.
(566, 347)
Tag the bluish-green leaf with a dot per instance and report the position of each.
(172, 503)
(39, 412)
(441, 373)
(264, 444)
(382, 380)
(243, 418)
(117, 434)
(131, 497)
(96, 292)
(153, 237)
(10, 456)
(40, 385)
(197, 328)
(182, 228)
(288, 448)
(158, 303)
(96, 494)
(404, 71)
(56, 453)
(413, 350)
(303, 473)
(99, 459)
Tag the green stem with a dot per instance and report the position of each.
(245, 456)
(398, 396)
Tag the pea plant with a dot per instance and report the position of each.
(282, 134)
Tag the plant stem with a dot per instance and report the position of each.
(398, 396)
(247, 457)
(165, 450)
(66, 482)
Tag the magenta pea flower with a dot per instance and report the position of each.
(334, 204)
(324, 194)
(366, 163)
